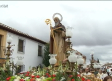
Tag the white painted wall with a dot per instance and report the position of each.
(31, 57)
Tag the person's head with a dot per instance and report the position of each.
(100, 71)
(96, 69)
(92, 72)
(56, 20)
(108, 78)
(86, 70)
(104, 71)
(81, 71)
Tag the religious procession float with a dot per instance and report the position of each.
(65, 62)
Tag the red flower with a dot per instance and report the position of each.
(7, 79)
(21, 80)
(71, 76)
(54, 75)
(83, 79)
(33, 76)
(28, 72)
(38, 76)
(88, 80)
(53, 79)
(78, 75)
(47, 73)
(32, 79)
(73, 80)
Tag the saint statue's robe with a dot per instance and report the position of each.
(57, 44)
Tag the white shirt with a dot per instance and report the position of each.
(100, 76)
(86, 73)
(104, 75)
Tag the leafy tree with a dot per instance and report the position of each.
(46, 55)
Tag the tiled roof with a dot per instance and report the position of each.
(78, 53)
(12, 30)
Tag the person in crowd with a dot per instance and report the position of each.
(96, 72)
(107, 78)
(100, 74)
(86, 72)
(104, 74)
(92, 73)
(81, 72)
(108, 71)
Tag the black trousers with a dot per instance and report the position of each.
(108, 73)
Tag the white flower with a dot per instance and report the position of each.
(17, 66)
(68, 52)
(62, 78)
(1, 69)
(38, 79)
(38, 73)
(27, 78)
(49, 67)
(55, 73)
(16, 76)
(16, 79)
(21, 75)
(42, 77)
(32, 75)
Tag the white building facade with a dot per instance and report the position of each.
(29, 48)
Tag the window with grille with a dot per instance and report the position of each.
(21, 68)
(21, 45)
(39, 50)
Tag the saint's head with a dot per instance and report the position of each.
(57, 21)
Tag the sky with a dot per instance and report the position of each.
(91, 22)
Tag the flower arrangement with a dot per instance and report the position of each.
(47, 74)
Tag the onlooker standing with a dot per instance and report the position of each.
(104, 74)
(96, 72)
(86, 72)
(108, 71)
(100, 74)
(108, 78)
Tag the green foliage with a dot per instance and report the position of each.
(58, 76)
(5, 73)
(48, 79)
(46, 55)
(12, 78)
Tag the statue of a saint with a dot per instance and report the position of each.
(57, 40)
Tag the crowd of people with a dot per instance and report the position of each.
(104, 75)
